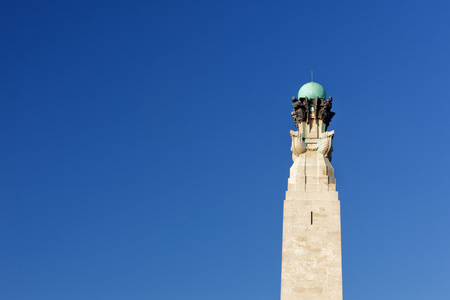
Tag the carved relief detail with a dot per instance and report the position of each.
(323, 146)
(326, 144)
(298, 146)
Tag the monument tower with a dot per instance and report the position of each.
(311, 256)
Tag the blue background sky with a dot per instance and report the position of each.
(145, 145)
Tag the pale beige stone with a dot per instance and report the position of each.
(311, 251)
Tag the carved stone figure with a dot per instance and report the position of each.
(325, 114)
(324, 110)
(295, 114)
(300, 113)
(305, 107)
(295, 103)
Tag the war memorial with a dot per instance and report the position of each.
(311, 251)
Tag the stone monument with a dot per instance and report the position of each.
(311, 252)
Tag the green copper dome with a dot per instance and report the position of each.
(312, 90)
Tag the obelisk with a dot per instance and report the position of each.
(311, 252)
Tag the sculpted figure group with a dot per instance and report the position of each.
(303, 108)
(322, 110)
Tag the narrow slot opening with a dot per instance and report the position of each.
(311, 218)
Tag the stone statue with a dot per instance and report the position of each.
(296, 114)
(325, 108)
(300, 113)
(325, 114)
(305, 107)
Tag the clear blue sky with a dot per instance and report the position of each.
(145, 145)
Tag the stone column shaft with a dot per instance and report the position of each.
(311, 251)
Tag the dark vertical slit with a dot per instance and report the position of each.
(311, 218)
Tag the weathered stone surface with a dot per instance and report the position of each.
(311, 252)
